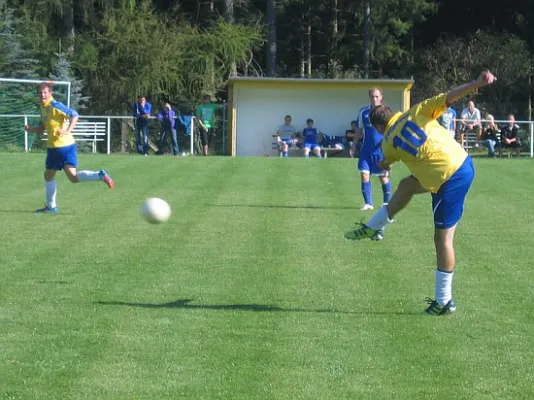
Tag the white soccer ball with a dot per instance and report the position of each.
(156, 211)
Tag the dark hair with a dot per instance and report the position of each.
(206, 96)
(380, 115)
(141, 97)
(43, 86)
(287, 116)
(309, 120)
(511, 115)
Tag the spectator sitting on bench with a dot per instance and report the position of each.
(354, 141)
(490, 135)
(311, 135)
(470, 122)
(286, 137)
(510, 136)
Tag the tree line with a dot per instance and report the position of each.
(177, 50)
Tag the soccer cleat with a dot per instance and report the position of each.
(367, 207)
(379, 235)
(364, 232)
(104, 176)
(435, 308)
(47, 210)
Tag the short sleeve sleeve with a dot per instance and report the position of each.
(433, 107)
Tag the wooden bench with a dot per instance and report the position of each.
(87, 131)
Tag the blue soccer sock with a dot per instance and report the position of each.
(285, 154)
(386, 190)
(366, 191)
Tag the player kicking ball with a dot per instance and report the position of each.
(439, 165)
(58, 121)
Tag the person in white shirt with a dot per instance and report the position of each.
(471, 122)
(286, 137)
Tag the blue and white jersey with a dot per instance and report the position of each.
(372, 139)
(310, 135)
(447, 119)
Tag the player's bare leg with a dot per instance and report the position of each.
(408, 187)
(373, 229)
(445, 260)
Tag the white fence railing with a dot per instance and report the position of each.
(106, 118)
(503, 123)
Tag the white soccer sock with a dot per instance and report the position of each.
(50, 190)
(379, 220)
(443, 286)
(84, 176)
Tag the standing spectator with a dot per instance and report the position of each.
(141, 111)
(167, 120)
(205, 115)
(490, 135)
(310, 135)
(286, 136)
(371, 152)
(471, 122)
(448, 121)
(510, 136)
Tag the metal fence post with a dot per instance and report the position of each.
(109, 136)
(25, 134)
(531, 139)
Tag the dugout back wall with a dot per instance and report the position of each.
(257, 107)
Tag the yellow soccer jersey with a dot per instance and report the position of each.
(55, 116)
(419, 141)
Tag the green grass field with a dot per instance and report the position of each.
(250, 291)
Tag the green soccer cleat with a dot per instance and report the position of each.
(364, 232)
(436, 309)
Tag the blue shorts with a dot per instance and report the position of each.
(448, 202)
(369, 163)
(57, 158)
(311, 146)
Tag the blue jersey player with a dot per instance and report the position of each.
(310, 135)
(371, 152)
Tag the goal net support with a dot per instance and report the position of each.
(19, 105)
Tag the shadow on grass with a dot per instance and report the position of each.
(287, 207)
(33, 212)
(185, 304)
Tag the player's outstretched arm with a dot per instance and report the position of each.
(484, 79)
(72, 124)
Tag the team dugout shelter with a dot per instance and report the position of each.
(257, 107)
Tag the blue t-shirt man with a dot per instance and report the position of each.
(141, 111)
(447, 120)
(371, 152)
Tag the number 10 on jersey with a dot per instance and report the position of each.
(415, 137)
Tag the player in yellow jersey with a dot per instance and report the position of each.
(58, 121)
(439, 165)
